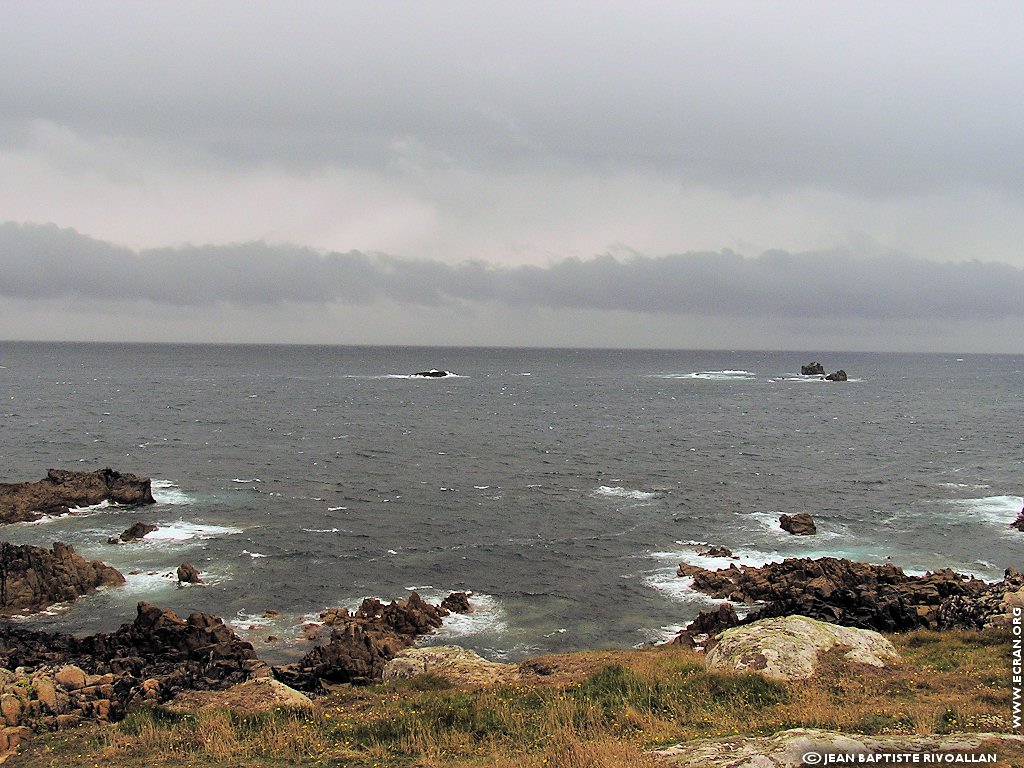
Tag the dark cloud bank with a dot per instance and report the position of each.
(46, 262)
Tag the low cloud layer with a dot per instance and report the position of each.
(49, 263)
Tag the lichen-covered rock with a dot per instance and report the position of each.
(62, 489)
(262, 694)
(31, 578)
(786, 749)
(457, 665)
(787, 648)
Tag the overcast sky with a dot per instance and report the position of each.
(799, 175)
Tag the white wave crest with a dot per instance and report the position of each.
(724, 375)
(181, 530)
(617, 491)
(1000, 510)
(168, 492)
(487, 617)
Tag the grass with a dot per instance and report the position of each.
(598, 709)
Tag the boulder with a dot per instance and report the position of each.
(32, 578)
(456, 665)
(61, 489)
(814, 369)
(800, 524)
(839, 375)
(787, 648)
(137, 530)
(787, 748)
(189, 574)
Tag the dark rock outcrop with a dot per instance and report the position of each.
(189, 574)
(1019, 522)
(716, 552)
(433, 373)
(814, 369)
(879, 597)
(150, 659)
(62, 489)
(362, 642)
(31, 578)
(839, 375)
(457, 602)
(800, 524)
(137, 530)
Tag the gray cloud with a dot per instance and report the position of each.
(46, 262)
(910, 96)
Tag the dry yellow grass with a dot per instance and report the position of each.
(595, 709)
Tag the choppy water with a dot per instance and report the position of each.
(563, 487)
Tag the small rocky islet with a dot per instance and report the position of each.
(51, 680)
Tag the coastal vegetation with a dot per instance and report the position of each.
(599, 708)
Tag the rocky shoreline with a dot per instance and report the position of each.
(53, 680)
(862, 595)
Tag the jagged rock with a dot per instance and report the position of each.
(879, 597)
(787, 648)
(433, 373)
(189, 574)
(263, 694)
(711, 622)
(152, 658)
(1019, 522)
(362, 642)
(457, 665)
(787, 748)
(839, 375)
(31, 578)
(800, 524)
(457, 602)
(137, 530)
(814, 369)
(716, 552)
(62, 489)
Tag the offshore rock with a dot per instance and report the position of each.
(787, 648)
(800, 524)
(879, 597)
(814, 369)
(189, 574)
(61, 489)
(137, 530)
(839, 375)
(32, 578)
(362, 642)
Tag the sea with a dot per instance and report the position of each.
(562, 487)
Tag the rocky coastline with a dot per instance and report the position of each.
(846, 593)
(51, 680)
